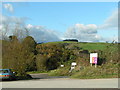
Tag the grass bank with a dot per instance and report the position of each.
(35, 72)
(105, 71)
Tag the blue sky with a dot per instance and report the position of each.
(61, 16)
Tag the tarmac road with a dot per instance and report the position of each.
(62, 83)
(45, 81)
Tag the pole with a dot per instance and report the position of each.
(95, 65)
(91, 64)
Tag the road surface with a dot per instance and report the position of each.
(62, 83)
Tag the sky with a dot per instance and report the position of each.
(55, 21)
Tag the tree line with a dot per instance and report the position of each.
(26, 55)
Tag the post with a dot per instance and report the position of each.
(91, 64)
(95, 65)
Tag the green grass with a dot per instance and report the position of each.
(85, 46)
(60, 42)
(115, 75)
(60, 72)
(93, 46)
(106, 71)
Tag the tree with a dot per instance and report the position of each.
(29, 46)
(14, 28)
(19, 56)
(20, 30)
(41, 61)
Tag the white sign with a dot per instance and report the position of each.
(93, 58)
(62, 65)
(74, 63)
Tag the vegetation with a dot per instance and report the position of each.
(27, 56)
(107, 62)
(104, 71)
(17, 55)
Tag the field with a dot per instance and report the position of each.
(86, 45)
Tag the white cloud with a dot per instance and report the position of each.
(29, 26)
(8, 7)
(111, 22)
(111, 39)
(12, 25)
(42, 34)
(89, 32)
(83, 32)
(79, 31)
(13, 20)
(1, 26)
(90, 28)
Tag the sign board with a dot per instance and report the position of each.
(62, 65)
(73, 63)
(93, 58)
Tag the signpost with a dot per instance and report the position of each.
(61, 65)
(93, 59)
(73, 64)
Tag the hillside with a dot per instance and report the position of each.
(107, 65)
(28, 56)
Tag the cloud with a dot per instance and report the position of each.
(12, 25)
(111, 22)
(42, 34)
(29, 26)
(13, 20)
(86, 33)
(8, 7)
(111, 39)
(1, 27)
(83, 33)
(89, 32)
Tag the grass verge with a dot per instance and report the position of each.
(88, 72)
(35, 72)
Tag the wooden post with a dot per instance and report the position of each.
(95, 65)
(91, 64)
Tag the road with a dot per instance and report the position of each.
(62, 83)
